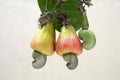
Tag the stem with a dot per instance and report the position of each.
(45, 18)
(57, 7)
(46, 5)
(82, 7)
(63, 18)
(85, 23)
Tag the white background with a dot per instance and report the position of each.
(18, 24)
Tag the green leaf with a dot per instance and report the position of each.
(42, 5)
(71, 7)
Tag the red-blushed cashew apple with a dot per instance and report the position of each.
(69, 43)
(43, 44)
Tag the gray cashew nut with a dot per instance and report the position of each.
(71, 59)
(39, 60)
(88, 37)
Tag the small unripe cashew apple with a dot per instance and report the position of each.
(88, 37)
(69, 43)
(43, 44)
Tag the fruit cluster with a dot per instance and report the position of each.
(68, 45)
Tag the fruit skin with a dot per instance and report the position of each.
(68, 41)
(88, 37)
(44, 40)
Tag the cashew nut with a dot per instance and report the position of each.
(71, 59)
(39, 60)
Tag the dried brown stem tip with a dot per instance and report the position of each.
(45, 18)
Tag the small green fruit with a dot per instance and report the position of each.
(88, 37)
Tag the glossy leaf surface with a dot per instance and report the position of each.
(71, 7)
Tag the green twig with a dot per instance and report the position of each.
(46, 5)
